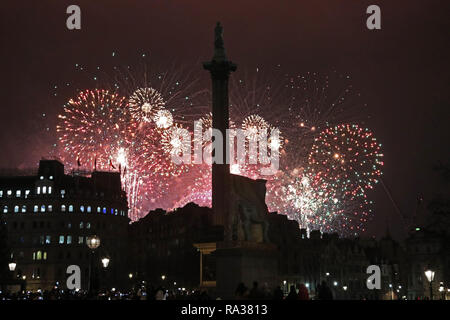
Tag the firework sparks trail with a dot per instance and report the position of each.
(327, 166)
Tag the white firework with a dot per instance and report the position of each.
(145, 103)
(163, 119)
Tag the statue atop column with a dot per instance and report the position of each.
(219, 49)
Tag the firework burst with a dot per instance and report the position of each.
(348, 158)
(92, 128)
(145, 103)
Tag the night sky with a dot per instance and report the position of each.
(402, 71)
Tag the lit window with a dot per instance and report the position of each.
(9, 192)
(51, 177)
(50, 208)
(39, 255)
(34, 255)
(41, 177)
(44, 255)
(69, 225)
(104, 210)
(16, 208)
(44, 189)
(99, 209)
(71, 208)
(82, 208)
(63, 192)
(69, 239)
(18, 193)
(61, 239)
(63, 208)
(38, 190)
(1, 193)
(80, 240)
(48, 239)
(5, 209)
(115, 212)
(24, 208)
(89, 209)
(36, 208)
(112, 211)
(88, 225)
(27, 192)
(49, 189)
(41, 239)
(42, 208)
(81, 225)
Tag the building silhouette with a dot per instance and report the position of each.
(48, 217)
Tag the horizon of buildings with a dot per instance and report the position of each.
(48, 216)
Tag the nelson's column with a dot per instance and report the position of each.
(220, 69)
(244, 253)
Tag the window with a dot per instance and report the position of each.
(24, 208)
(99, 209)
(18, 193)
(44, 255)
(50, 178)
(43, 208)
(69, 239)
(112, 211)
(81, 225)
(50, 208)
(41, 239)
(16, 208)
(39, 255)
(34, 255)
(88, 225)
(89, 209)
(82, 208)
(115, 212)
(36, 208)
(1, 193)
(41, 177)
(9, 192)
(49, 189)
(63, 192)
(48, 239)
(27, 192)
(61, 239)
(69, 225)
(104, 210)
(44, 189)
(71, 208)
(63, 208)
(38, 190)
(80, 240)
(5, 209)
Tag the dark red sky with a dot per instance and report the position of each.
(402, 70)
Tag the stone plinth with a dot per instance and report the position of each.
(243, 261)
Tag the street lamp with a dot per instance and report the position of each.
(105, 262)
(12, 266)
(93, 242)
(430, 277)
(441, 290)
